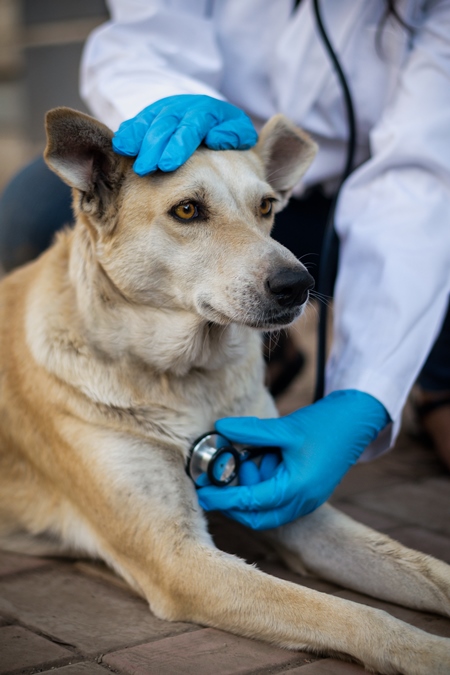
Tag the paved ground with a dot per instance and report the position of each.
(76, 618)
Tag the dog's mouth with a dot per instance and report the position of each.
(265, 301)
(263, 319)
(275, 321)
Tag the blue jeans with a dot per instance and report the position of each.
(435, 375)
(36, 204)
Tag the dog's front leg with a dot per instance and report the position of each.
(336, 547)
(142, 511)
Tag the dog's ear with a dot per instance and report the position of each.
(79, 150)
(286, 152)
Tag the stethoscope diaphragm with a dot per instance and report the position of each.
(214, 460)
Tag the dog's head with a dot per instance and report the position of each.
(197, 239)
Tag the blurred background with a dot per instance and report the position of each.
(40, 48)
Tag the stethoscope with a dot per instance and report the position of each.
(212, 458)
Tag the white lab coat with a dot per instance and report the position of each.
(393, 216)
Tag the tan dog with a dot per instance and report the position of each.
(125, 341)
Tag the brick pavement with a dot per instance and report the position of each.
(77, 618)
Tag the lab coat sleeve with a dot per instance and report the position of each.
(393, 220)
(148, 50)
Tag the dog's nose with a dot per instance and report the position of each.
(290, 287)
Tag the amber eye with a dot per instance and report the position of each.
(265, 207)
(186, 211)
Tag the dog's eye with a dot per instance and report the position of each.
(186, 211)
(265, 208)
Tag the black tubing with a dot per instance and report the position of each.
(330, 247)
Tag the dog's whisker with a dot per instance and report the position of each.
(320, 297)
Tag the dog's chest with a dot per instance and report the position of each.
(180, 409)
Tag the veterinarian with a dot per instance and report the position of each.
(170, 74)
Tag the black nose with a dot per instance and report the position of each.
(290, 287)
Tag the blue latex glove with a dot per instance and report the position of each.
(250, 473)
(319, 444)
(166, 133)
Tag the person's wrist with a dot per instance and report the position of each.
(360, 418)
(366, 403)
(347, 418)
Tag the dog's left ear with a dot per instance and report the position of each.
(286, 152)
(79, 151)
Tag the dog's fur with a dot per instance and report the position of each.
(126, 340)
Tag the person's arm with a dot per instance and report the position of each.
(394, 226)
(153, 69)
(150, 49)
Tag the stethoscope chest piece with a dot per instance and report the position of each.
(213, 460)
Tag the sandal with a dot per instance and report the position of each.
(435, 423)
(423, 409)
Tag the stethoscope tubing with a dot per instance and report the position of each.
(330, 246)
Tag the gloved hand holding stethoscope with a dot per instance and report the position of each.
(318, 444)
(214, 460)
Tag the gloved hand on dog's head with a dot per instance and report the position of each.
(318, 443)
(166, 133)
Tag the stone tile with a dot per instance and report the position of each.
(423, 540)
(426, 504)
(19, 649)
(98, 570)
(79, 669)
(81, 612)
(12, 563)
(431, 623)
(377, 521)
(278, 569)
(364, 477)
(205, 652)
(440, 487)
(411, 459)
(328, 667)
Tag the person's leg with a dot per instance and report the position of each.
(33, 206)
(434, 393)
(301, 227)
(435, 375)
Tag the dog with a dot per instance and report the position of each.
(124, 342)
